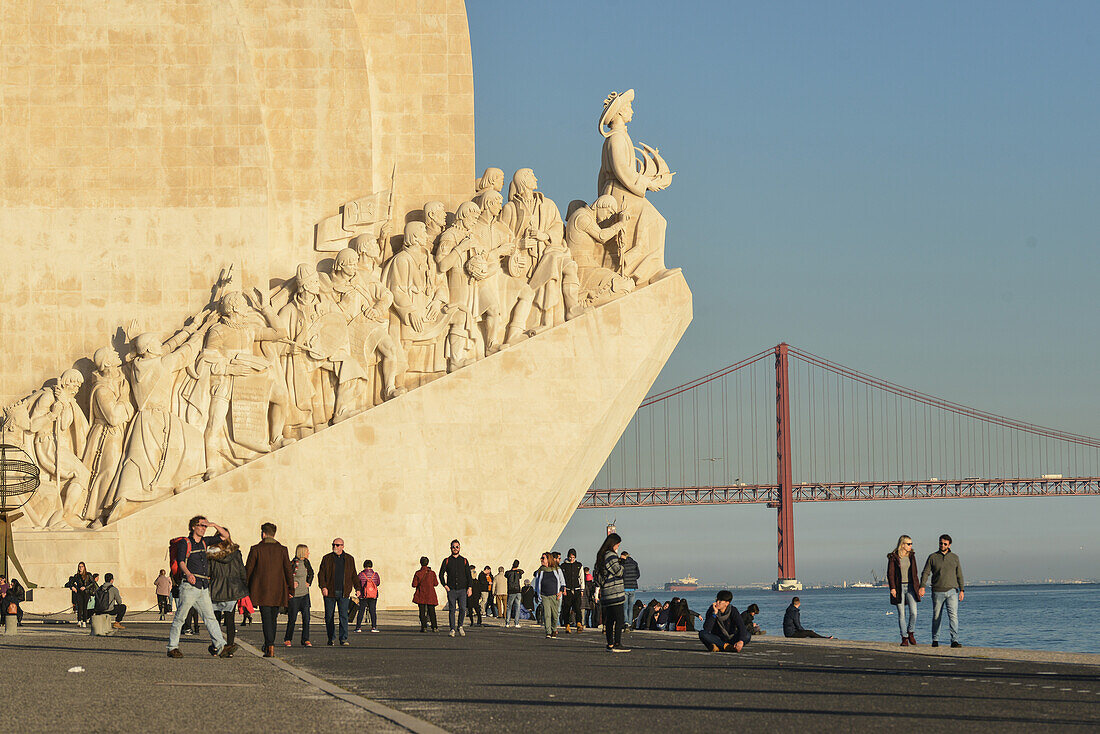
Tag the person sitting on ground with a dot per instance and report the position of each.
(792, 623)
(647, 620)
(723, 629)
(683, 617)
(663, 615)
(527, 596)
(635, 613)
(12, 603)
(114, 603)
(749, 618)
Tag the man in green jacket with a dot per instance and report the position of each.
(947, 588)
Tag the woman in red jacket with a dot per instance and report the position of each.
(425, 581)
(905, 588)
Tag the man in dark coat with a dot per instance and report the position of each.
(631, 574)
(792, 623)
(455, 576)
(338, 580)
(270, 580)
(723, 629)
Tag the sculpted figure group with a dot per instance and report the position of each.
(252, 372)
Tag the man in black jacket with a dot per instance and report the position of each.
(573, 601)
(723, 629)
(792, 623)
(454, 575)
(631, 574)
(514, 576)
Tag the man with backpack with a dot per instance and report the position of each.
(109, 601)
(191, 567)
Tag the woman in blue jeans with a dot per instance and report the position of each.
(905, 589)
(299, 600)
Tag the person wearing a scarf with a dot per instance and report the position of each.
(723, 629)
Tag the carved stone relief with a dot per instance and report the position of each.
(248, 374)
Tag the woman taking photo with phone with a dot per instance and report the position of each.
(905, 590)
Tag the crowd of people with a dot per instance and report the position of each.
(212, 582)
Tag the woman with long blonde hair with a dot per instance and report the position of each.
(905, 588)
(302, 570)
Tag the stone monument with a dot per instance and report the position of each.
(211, 192)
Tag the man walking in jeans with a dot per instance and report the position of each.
(947, 588)
(338, 581)
(195, 586)
(515, 594)
(454, 574)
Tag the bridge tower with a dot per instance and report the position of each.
(785, 578)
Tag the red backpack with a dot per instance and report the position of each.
(174, 545)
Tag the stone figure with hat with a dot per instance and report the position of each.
(627, 178)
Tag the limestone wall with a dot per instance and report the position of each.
(143, 145)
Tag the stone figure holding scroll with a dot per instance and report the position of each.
(111, 411)
(627, 178)
(245, 379)
(460, 259)
(163, 453)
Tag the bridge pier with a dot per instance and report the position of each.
(785, 578)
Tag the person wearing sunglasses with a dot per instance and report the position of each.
(905, 588)
(338, 581)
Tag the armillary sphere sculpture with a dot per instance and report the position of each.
(19, 479)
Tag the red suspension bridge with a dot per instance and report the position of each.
(812, 430)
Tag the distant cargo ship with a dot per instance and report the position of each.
(687, 583)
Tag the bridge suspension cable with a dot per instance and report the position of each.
(847, 427)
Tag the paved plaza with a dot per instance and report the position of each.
(516, 680)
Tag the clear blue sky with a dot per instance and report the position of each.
(913, 191)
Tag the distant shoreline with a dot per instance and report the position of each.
(831, 587)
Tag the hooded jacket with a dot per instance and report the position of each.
(227, 577)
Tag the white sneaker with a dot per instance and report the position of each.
(461, 632)
(452, 633)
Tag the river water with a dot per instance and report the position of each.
(1061, 617)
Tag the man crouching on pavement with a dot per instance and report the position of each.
(723, 628)
(190, 555)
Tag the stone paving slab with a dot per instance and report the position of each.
(130, 685)
(516, 680)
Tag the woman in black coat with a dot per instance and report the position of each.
(82, 587)
(228, 585)
(905, 588)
